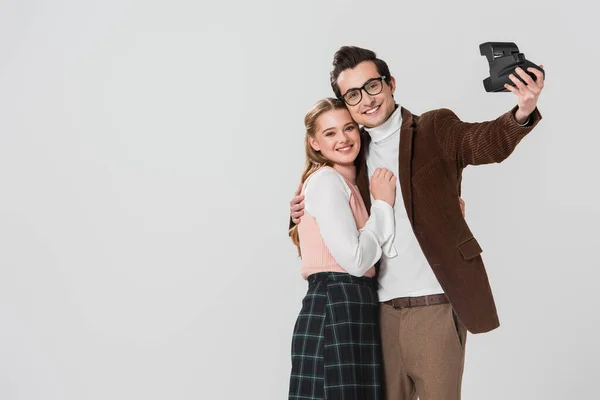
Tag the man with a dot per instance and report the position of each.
(436, 288)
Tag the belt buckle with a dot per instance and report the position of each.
(394, 305)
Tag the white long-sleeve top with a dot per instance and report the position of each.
(328, 199)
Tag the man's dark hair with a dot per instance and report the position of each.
(348, 57)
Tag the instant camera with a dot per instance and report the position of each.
(503, 58)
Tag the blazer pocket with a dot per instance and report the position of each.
(469, 249)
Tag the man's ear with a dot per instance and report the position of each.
(314, 144)
(392, 84)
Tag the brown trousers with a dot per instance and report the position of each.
(423, 352)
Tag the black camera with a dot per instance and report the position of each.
(503, 58)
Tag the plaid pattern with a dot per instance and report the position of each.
(336, 351)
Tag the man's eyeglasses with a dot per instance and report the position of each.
(372, 86)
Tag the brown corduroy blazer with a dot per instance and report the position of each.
(434, 149)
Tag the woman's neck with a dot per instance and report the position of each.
(347, 171)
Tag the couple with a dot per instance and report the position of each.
(389, 192)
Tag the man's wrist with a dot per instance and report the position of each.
(521, 118)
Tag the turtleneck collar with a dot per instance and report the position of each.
(388, 128)
(347, 171)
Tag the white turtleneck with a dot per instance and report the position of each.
(407, 274)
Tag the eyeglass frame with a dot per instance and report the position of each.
(381, 79)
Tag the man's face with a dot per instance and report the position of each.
(373, 110)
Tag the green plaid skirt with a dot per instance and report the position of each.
(336, 351)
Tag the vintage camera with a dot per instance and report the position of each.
(503, 58)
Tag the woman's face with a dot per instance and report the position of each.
(337, 137)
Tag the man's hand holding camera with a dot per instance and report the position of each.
(528, 92)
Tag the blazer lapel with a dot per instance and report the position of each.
(407, 130)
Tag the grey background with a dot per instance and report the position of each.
(149, 150)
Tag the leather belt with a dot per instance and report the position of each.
(408, 302)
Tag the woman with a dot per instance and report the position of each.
(335, 345)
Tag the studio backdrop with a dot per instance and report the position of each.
(149, 151)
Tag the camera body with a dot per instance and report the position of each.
(503, 58)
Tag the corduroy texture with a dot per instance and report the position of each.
(434, 149)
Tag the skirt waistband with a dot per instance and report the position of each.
(340, 277)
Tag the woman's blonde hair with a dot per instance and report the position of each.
(314, 158)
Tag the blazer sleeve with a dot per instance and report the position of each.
(482, 142)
